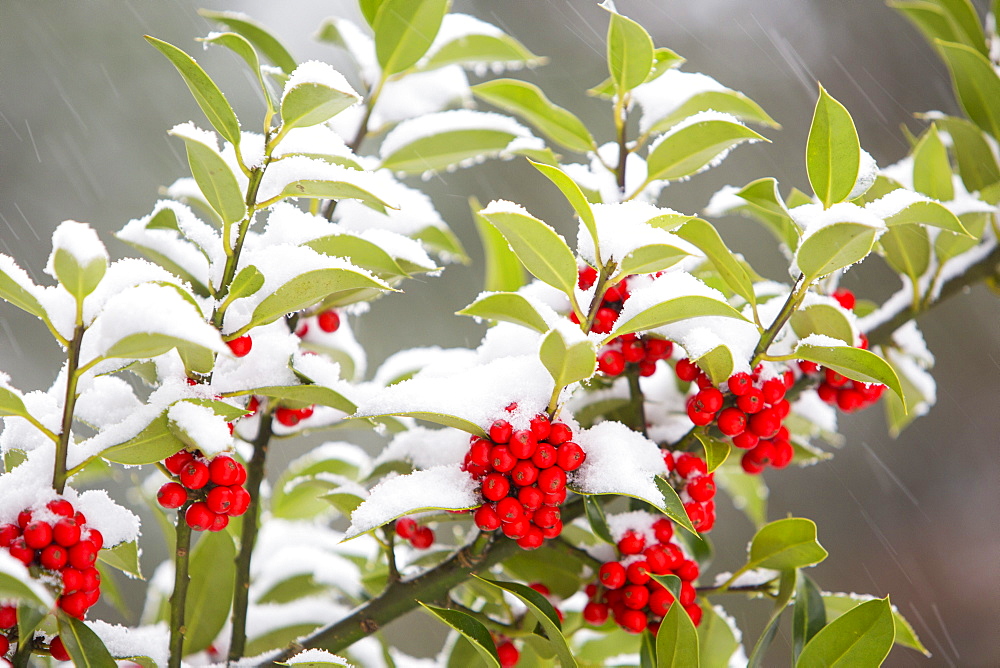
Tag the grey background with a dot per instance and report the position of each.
(85, 104)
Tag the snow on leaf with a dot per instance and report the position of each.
(447, 487)
(300, 176)
(316, 658)
(619, 461)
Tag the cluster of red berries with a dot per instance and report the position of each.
(292, 416)
(58, 540)
(696, 486)
(522, 473)
(240, 346)
(328, 321)
(419, 536)
(751, 414)
(212, 488)
(626, 592)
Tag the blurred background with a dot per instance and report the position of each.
(85, 105)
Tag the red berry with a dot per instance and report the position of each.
(708, 400)
(94, 537)
(695, 513)
(329, 321)
(37, 535)
(305, 412)
(697, 417)
(21, 552)
(517, 529)
(289, 417)
(486, 518)
(765, 424)
(656, 560)
(8, 532)
(689, 465)
(687, 570)
(545, 455)
(194, 474)
(835, 379)
(224, 470)
(176, 461)
(172, 495)
(58, 650)
(532, 539)
(8, 616)
(547, 517)
(500, 431)
(659, 601)
(638, 572)
(632, 542)
(746, 440)
(751, 402)
(541, 588)
(302, 330)
(522, 444)
(530, 497)
(586, 277)
(422, 538)
(663, 529)
(219, 500)
(773, 390)
(75, 605)
(611, 362)
(701, 488)
(688, 594)
(91, 579)
(23, 519)
(540, 427)
(502, 459)
(241, 501)
(635, 596)
(552, 480)
(732, 421)
(510, 509)
(783, 453)
(508, 654)
(604, 321)
(60, 507)
(72, 580)
(632, 621)
(687, 370)
(611, 575)
(694, 612)
(614, 293)
(54, 557)
(634, 351)
(739, 383)
(749, 464)
(559, 434)
(199, 517)
(552, 531)
(4, 648)
(219, 522)
(595, 613)
(82, 555)
(241, 346)
(570, 456)
(405, 526)
(495, 486)
(845, 298)
(554, 498)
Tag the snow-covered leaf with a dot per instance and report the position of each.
(862, 636)
(696, 144)
(360, 252)
(834, 247)
(727, 101)
(85, 648)
(123, 556)
(530, 103)
(404, 30)
(313, 94)
(823, 318)
(316, 658)
(931, 167)
(855, 363)
(242, 47)
(16, 583)
(301, 176)
(573, 194)
(838, 604)
(307, 395)
(907, 250)
(17, 288)
(833, 151)
(206, 93)
(79, 259)
(503, 271)
(674, 310)
(508, 307)
(246, 282)
(154, 443)
(567, 361)
(629, 51)
(212, 173)
(11, 402)
(466, 41)
(977, 164)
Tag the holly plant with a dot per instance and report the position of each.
(548, 495)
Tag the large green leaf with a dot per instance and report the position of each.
(503, 272)
(84, 647)
(447, 149)
(677, 640)
(675, 310)
(673, 507)
(785, 592)
(154, 443)
(213, 574)
(931, 169)
(506, 307)
(359, 252)
(786, 544)
(335, 188)
(257, 35)
(706, 238)
(242, 47)
(573, 194)
(472, 629)
(14, 588)
(310, 103)
(855, 363)
(442, 419)
(142, 345)
(307, 395)
(824, 319)
(629, 53)
(544, 613)
(976, 85)
(861, 637)
(834, 247)
(921, 212)
(78, 280)
(833, 152)
(695, 147)
(404, 30)
(976, 163)
(539, 247)
(215, 179)
(947, 20)
(530, 103)
(11, 403)
(567, 362)
(206, 93)
(838, 604)
(907, 249)
(475, 49)
(808, 615)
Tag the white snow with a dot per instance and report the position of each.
(752, 578)
(17, 570)
(822, 340)
(191, 131)
(624, 227)
(619, 461)
(406, 362)
(723, 202)
(439, 487)
(420, 94)
(429, 125)
(105, 400)
(666, 93)
(122, 275)
(207, 431)
(192, 248)
(318, 73)
(78, 239)
(122, 641)
(867, 172)
(317, 656)
(314, 140)
(289, 170)
(416, 211)
(426, 448)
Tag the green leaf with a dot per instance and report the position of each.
(785, 544)
(630, 52)
(855, 363)
(539, 248)
(785, 592)
(716, 641)
(242, 47)
(530, 103)
(706, 238)
(29, 617)
(675, 310)
(84, 647)
(544, 613)
(311, 288)
(948, 20)
(506, 307)
(11, 403)
(13, 588)
(504, 272)
(716, 450)
(861, 637)
(574, 195)
(257, 35)
(838, 604)
(808, 615)
(404, 30)
(977, 85)
(471, 628)
(976, 163)
(597, 519)
(765, 204)
(482, 49)
(824, 319)
(717, 363)
(442, 419)
(834, 247)
(215, 179)
(213, 570)
(333, 189)
(208, 96)
(673, 507)
(695, 147)
(124, 557)
(447, 149)
(307, 395)
(359, 252)
(650, 259)
(12, 290)
(647, 650)
(671, 582)
(247, 282)
(78, 281)
(726, 101)
(677, 640)
(931, 168)
(948, 245)
(833, 151)
(933, 214)
(154, 443)
(311, 103)
(907, 249)
(567, 363)
(144, 345)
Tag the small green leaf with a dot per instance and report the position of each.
(504, 272)
(726, 101)
(208, 96)
(677, 640)
(12, 289)
(311, 103)
(567, 363)
(471, 628)
(675, 310)
(213, 570)
(671, 582)
(404, 30)
(144, 345)
(785, 544)
(976, 163)
(833, 151)
(446, 149)
(544, 613)
(907, 249)
(442, 419)
(124, 557)
(933, 214)
(716, 450)
(307, 395)
(808, 615)
(706, 238)
(256, 34)
(861, 637)
(949, 245)
(11, 403)
(824, 319)
(598, 522)
(359, 252)
(931, 168)
(630, 52)
(834, 247)
(574, 195)
(855, 363)
(976, 85)
(333, 189)
(477, 49)
(247, 282)
(838, 604)
(506, 307)
(673, 507)
(650, 259)
(717, 363)
(215, 179)
(154, 443)
(78, 281)
(530, 103)
(242, 47)
(716, 641)
(539, 248)
(695, 147)
(84, 647)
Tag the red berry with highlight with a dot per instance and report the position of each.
(560, 433)
(508, 654)
(172, 495)
(570, 456)
(422, 538)
(329, 321)
(595, 613)
(194, 474)
(241, 501)
(501, 431)
(632, 542)
(199, 517)
(219, 500)
(732, 421)
(486, 518)
(82, 555)
(241, 346)
(37, 535)
(224, 470)
(611, 362)
(612, 575)
(176, 461)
